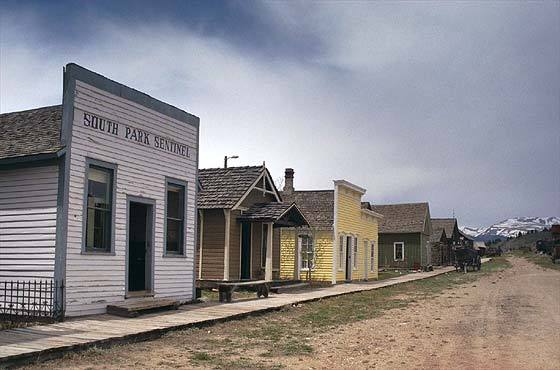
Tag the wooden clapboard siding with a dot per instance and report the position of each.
(213, 244)
(353, 221)
(28, 210)
(276, 254)
(141, 172)
(322, 241)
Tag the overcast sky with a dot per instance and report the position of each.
(457, 104)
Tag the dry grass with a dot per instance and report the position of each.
(260, 342)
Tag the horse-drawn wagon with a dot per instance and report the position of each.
(465, 258)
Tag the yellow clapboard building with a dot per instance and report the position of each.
(340, 244)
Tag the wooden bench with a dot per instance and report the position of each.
(226, 289)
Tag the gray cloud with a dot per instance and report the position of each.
(457, 104)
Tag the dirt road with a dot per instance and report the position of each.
(509, 320)
(503, 320)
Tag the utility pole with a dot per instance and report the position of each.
(226, 159)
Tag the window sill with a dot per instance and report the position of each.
(174, 256)
(95, 253)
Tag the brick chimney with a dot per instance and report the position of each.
(289, 181)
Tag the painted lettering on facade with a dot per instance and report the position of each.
(136, 135)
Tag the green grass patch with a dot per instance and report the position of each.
(388, 274)
(541, 260)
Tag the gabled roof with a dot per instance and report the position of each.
(30, 132)
(316, 205)
(402, 218)
(225, 187)
(282, 214)
(448, 224)
(437, 234)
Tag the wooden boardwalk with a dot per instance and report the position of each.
(52, 340)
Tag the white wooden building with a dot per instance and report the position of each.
(100, 193)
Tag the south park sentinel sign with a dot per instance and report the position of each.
(136, 135)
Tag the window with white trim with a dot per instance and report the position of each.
(366, 244)
(341, 252)
(99, 205)
(372, 257)
(398, 251)
(307, 252)
(175, 219)
(355, 254)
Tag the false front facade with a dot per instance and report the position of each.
(341, 241)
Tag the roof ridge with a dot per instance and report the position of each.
(399, 204)
(229, 168)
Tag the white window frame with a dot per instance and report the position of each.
(300, 248)
(372, 256)
(395, 251)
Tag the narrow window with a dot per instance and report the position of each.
(99, 209)
(355, 259)
(263, 245)
(366, 245)
(175, 219)
(307, 252)
(398, 251)
(341, 253)
(372, 257)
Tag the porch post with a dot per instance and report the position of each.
(201, 227)
(268, 264)
(226, 244)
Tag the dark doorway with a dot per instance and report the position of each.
(139, 247)
(348, 258)
(245, 250)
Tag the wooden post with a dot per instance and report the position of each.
(268, 264)
(201, 227)
(226, 244)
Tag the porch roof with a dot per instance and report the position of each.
(282, 214)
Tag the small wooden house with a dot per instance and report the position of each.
(404, 235)
(240, 214)
(341, 241)
(98, 195)
(439, 248)
(442, 252)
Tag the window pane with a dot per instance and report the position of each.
(99, 208)
(175, 219)
(100, 184)
(174, 236)
(175, 201)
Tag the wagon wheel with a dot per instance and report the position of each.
(259, 292)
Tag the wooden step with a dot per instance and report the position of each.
(136, 307)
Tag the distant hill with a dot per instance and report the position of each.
(527, 240)
(510, 228)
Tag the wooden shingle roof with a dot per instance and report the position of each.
(30, 132)
(286, 214)
(316, 205)
(437, 234)
(224, 187)
(448, 224)
(402, 218)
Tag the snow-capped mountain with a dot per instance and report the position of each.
(510, 227)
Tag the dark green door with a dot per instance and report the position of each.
(245, 250)
(137, 246)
